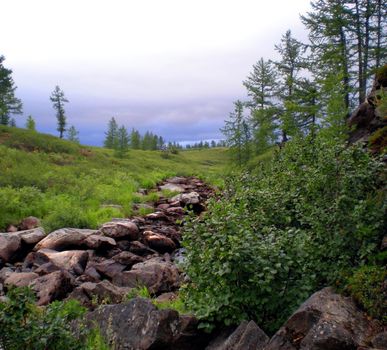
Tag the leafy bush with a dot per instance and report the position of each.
(26, 326)
(16, 203)
(368, 287)
(282, 232)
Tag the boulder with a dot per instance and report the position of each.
(127, 258)
(10, 243)
(53, 286)
(31, 236)
(120, 229)
(248, 336)
(20, 279)
(136, 325)
(326, 321)
(108, 268)
(5, 272)
(379, 341)
(163, 206)
(156, 274)
(93, 294)
(187, 198)
(29, 223)
(64, 239)
(98, 242)
(176, 211)
(172, 187)
(140, 249)
(73, 261)
(159, 242)
(158, 215)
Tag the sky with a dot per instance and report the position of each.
(173, 67)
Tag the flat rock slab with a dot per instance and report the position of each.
(172, 187)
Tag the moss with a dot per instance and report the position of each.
(368, 287)
(378, 140)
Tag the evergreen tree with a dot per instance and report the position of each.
(135, 139)
(30, 123)
(58, 100)
(122, 142)
(235, 132)
(111, 134)
(9, 103)
(12, 122)
(289, 68)
(160, 143)
(72, 134)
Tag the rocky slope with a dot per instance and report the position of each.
(99, 267)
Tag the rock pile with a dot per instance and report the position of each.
(102, 265)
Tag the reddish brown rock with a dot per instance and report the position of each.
(108, 268)
(140, 249)
(20, 279)
(163, 206)
(53, 286)
(120, 229)
(64, 239)
(94, 294)
(10, 243)
(71, 260)
(158, 215)
(127, 258)
(158, 242)
(29, 223)
(32, 236)
(99, 242)
(156, 274)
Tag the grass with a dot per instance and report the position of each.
(69, 185)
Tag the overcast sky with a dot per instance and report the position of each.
(173, 67)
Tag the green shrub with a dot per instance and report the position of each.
(139, 292)
(17, 203)
(282, 232)
(368, 287)
(26, 326)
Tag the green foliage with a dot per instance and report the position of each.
(138, 292)
(26, 326)
(9, 103)
(367, 286)
(30, 123)
(58, 100)
(73, 134)
(175, 304)
(282, 232)
(65, 184)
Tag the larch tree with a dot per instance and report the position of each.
(112, 134)
(30, 123)
(261, 85)
(73, 134)
(9, 103)
(58, 100)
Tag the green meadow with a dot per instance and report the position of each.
(70, 185)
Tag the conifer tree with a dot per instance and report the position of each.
(58, 100)
(122, 142)
(30, 123)
(9, 103)
(73, 134)
(111, 134)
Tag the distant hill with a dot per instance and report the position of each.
(66, 184)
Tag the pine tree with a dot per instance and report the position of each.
(111, 134)
(72, 134)
(30, 123)
(9, 103)
(58, 100)
(122, 142)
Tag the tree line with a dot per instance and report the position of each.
(312, 84)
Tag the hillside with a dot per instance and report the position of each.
(69, 185)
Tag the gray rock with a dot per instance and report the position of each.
(172, 187)
(156, 274)
(326, 321)
(248, 336)
(187, 198)
(32, 236)
(379, 341)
